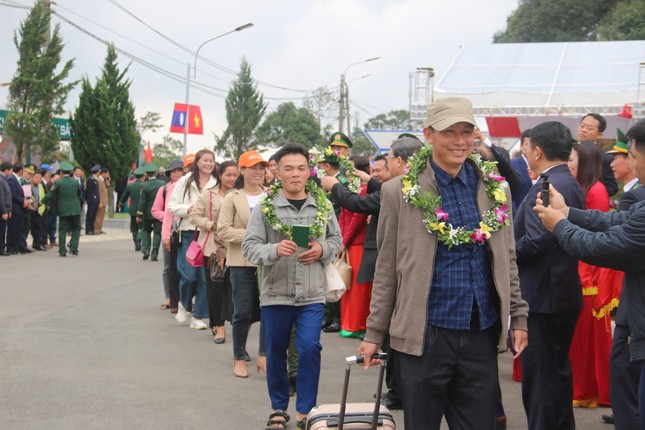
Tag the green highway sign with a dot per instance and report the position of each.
(61, 124)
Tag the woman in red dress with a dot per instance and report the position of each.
(591, 345)
(355, 303)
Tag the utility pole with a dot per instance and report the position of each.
(47, 7)
(186, 117)
(341, 104)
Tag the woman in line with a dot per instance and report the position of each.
(233, 220)
(355, 303)
(161, 212)
(591, 344)
(192, 281)
(205, 216)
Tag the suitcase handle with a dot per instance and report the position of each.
(377, 405)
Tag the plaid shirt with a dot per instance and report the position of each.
(462, 275)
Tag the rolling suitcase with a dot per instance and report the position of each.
(354, 415)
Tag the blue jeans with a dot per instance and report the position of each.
(245, 292)
(278, 321)
(191, 280)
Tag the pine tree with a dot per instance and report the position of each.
(37, 92)
(245, 108)
(104, 126)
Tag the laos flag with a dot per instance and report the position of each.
(186, 119)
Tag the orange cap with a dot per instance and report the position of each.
(251, 158)
(188, 160)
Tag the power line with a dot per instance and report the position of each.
(9, 3)
(191, 52)
(200, 86)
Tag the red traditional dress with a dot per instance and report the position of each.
(355, 303)
(591, 344)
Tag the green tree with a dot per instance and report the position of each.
(167, 150)
(245, 108)
(625, 22)
(37, 91)
(393, 120)
(289, 123)
(104, 126)
(555, 21)
(150, 121)
(362, 146)
(323, 104)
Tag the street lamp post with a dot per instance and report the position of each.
(243, 27)
(349, 128)
(344, 100)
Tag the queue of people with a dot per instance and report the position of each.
(454, 259)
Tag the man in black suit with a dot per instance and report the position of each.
(521, 167)
(550, 284)
(16, 234)
(5, 204)
(591, 128)
(92, 198)
(78, 177)
(624, 373)
(370, 204)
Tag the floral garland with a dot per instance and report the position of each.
(436, 220)
(323, 214)
(318, 155)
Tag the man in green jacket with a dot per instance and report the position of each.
(149, 224)
(68, 193)
(133, 192)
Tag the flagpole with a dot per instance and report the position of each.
(186, 117)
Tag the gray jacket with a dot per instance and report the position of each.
(285, 281)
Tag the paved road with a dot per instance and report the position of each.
(83, 345)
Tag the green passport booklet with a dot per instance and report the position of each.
(301, 235)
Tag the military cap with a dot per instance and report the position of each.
(331, 156)
(30, 168)
(175, 165)
(622, 144)
(66, 166)
(95, 168)
(340, 139)
(151, 168)
(139, 171)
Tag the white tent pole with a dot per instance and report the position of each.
(454, 60)
(557, 75)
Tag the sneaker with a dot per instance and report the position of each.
(197, 324)
(181, 314)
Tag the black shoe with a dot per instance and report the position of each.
(74, 252)
(137, 248)
(154, 258)
(63, 255)
(26, 251)
(39, 248)
(332, 328)
(5, 254)
(609, 419)
(391, 402)
(145, 256)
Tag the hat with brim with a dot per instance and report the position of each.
(151, 168)
(444, 113)
(139, 171)
(66, 166)
(340, 139)
(95, 168)
(30, 169)
(174, 165)
(251, 158)
(621, 146)
(188, 160)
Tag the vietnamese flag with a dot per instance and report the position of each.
(183, 113)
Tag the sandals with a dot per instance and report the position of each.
(302, 424)
(278, 424)
(164, 307)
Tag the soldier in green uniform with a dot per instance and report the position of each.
(68, 193)
(133, 192)
(331, 167)
(149, 224)
(341, 143)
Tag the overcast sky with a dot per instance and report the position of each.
(300, 45)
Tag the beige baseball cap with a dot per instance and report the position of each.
(445, 112)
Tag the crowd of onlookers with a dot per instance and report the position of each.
(196, 212)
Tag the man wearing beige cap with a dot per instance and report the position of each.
(446, 309)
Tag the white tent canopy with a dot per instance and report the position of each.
(546, 74)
